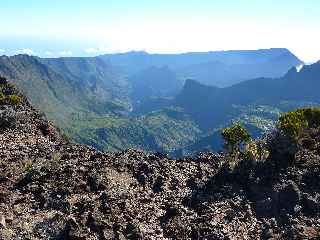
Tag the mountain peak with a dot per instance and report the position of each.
(194, 84)
(136, 53)
(191, 82)
(292, 72)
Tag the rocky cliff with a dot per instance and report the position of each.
(53, 189)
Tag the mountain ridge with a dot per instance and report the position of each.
(233, 62)
(97, 102)
(296, 87)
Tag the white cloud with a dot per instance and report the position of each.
(26, 51)
(91, 50)
(98, 50)
(65, 53)
(48, 53)
(2, 50)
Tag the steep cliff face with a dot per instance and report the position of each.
(53, 189)
(208, 104)
(66, 87)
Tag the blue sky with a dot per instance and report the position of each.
(91, 27)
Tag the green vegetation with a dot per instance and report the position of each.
(28, 168)
(56, 157)
(65, 137)
(257, 150)
(14, 99)
(8, 96)
(234, 137)
(293, 123)
(92, 102)
(2, 98)
(8, 93)
(164, 130)
(55, 161)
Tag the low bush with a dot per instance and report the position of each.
(28, 168)
(257, 150)
(235, 137)
(14, 100)
(2, 98)
(295, 122)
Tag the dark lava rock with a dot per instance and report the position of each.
(53, 189)
(289, 196)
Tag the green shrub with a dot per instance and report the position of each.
(257, 150)
(56, 157)
(234, 137)
(65, 137)
(8, 96)
(54, 164)
(2, 98)
(293, 123)
(14, 99)
(28, 168)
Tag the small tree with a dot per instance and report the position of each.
(14, 99)
(295, 122)
(234, 137)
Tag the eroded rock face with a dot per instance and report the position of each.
(53, 189)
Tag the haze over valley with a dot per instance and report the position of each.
(157, 102)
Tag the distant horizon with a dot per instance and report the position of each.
(87, 28)
(157, 53)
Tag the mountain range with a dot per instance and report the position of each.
(221, 68)
(140, 100)
(257, 103)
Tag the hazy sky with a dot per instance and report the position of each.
(92, 27)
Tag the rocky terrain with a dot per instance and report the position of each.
(53, 189)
